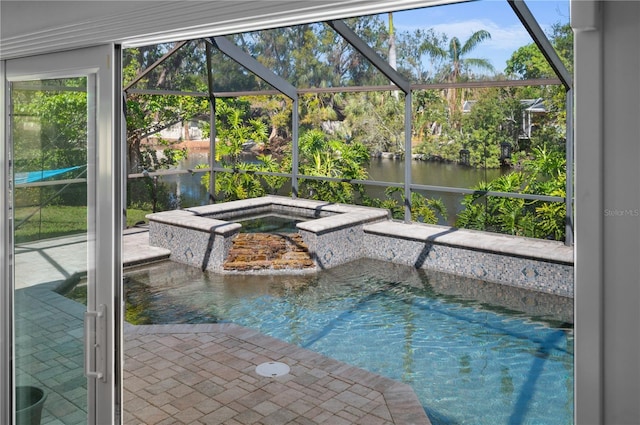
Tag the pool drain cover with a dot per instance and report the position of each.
(272, 369)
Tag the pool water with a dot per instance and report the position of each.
(470, 358)
(269, 223)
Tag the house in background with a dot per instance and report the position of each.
(529, 107)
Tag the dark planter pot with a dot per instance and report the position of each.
(29, 403)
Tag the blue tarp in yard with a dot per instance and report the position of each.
(36, 176)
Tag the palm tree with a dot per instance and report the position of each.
(457, 62)
(392, 43)
(392, 49)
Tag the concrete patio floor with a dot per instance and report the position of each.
(189, 374)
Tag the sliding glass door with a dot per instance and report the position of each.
(63, 262)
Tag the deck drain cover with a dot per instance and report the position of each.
(272, 369)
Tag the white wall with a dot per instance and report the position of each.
(607, 200)
(621, 248)
(42, 26)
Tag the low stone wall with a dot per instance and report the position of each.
(202, 237)
(192, 240)
(534, 264)
(337, 247)
(337, 234)
(339, 239)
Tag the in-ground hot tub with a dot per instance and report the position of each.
(202, 236)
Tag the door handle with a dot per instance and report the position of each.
(95, 349)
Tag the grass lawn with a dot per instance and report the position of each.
(135, 216)
(56, 221)
(49, 222)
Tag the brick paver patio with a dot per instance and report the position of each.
(205, 374)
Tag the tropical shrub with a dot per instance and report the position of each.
(545, 174)
(324, 157)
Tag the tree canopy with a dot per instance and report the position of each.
(349, 123)
(528, 62)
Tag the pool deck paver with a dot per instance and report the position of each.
(205, 374)
(55, 260)
(194, 374)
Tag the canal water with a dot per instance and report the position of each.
(432, 174)
(191, 192)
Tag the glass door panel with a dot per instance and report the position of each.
(64, 171)
(51, 225)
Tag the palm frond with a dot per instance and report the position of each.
(475, 39)
(479, 63)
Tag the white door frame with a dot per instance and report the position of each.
(102, 66)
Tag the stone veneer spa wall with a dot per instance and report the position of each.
(337, 233)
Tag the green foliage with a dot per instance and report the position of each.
(548, 163)
(346, 66)
(426, 210)
(457, 66)
(415, 59)
(528, 62)
(324, 157)
(240, 184)
(49, 131)
(497, 214)
(278, 111)
(150, 194)
(545, 175)
(429, 115)
(267, 163)
(50, 125)
(315, 109)
(236, 130)
(314, 55)
(423, 209)
(148, 114)
(494, 118)
(360, 123)
(376, 119)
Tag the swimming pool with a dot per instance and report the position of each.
(470, 358)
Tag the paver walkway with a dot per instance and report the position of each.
(188, 374)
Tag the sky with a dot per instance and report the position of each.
(496, 16)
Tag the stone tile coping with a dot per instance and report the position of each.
(551, 251)
(330, 216)
(340, 221)
(242, 206)
(136, 249)
(402, 403)
(187, 219)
